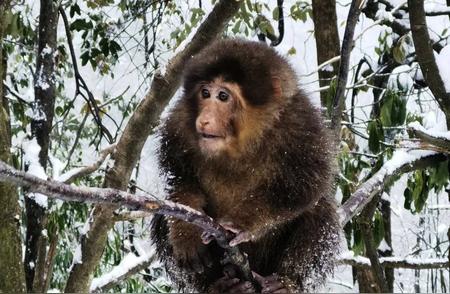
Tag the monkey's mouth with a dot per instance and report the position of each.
(209, 136)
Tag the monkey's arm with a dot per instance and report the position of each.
(188, 249)
(255, 216)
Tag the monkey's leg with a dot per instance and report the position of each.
(188, 250)
(230, 283)
(271, 284)
(311, 248)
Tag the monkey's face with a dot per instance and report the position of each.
(217, 106)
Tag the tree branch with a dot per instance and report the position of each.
(425, 56)
(346, 49)
(440, 140)
(365, 224)
(74, 174)
(66, 192)
(129, 266)
(80, 84)
(395, 262)
(401, 162)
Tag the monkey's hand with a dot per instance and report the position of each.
(188, 250)
(241, 235)
(271, 284)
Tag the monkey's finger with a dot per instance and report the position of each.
(260, 279)
(242, 287)
(224, 283)
(241, 238)
(206, 237)
(282, 290)
(230, 227)
(271, 288)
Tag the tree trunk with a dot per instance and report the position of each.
(41, 125)
(12, 277)
(327, 41)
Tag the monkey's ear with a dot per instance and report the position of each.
(277, 90)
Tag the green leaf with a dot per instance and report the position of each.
(75, 9)
(408, 199)
(439, 176)
(292, 51)
(375, 136)
(378, 229)
(81, 24)
(276, 14)
(84, 58)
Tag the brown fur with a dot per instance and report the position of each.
(277, 185)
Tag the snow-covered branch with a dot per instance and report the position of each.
(395, 262)
(129, 266)
(73, 174)
(436, 138)
(401, 162)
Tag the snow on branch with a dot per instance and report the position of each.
(110, 196)
(395, 262)
(129, 266)
(401, 162)
(76, 173)
(437, 138)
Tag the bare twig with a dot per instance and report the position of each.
(80, 84)
(70, 176)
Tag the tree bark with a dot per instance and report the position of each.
(129, 147)
(425, 56)
(12, 276)
(41, 125)
(327, 41)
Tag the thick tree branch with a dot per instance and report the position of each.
(139, 127)
(401, 162)
(133, 202)
(425, 56)
(327, 42)
(346, 49)
(365, 224)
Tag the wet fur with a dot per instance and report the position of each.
(285, 164)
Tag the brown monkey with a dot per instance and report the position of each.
(245, 146)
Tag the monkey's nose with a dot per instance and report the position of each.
(204, 123)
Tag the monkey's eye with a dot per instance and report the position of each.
(223, 96)
(205, 93)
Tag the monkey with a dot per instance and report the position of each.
(246, 146)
